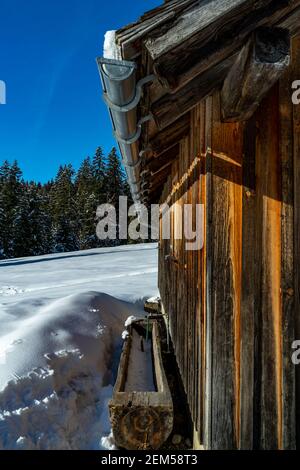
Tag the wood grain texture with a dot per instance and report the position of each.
(257, 68)
(234, 309)
(131, 37)
(222, 38)
(287, 259)
(250, 287)
(201, 16)
(268, 174)
(296, 158)
(141, 420)
(170, 107)
(226, 279)
(170, 135)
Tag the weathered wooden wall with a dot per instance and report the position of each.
(234, 306)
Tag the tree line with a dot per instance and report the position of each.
(58, 216)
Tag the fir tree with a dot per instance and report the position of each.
(10, 194)
(32, 223)
(64, 211)
(88, 237)
(86, 204)
(99, 175)
(2, 226)
(60, 215)
(115, 178)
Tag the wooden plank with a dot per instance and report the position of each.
(202, 280)
(197, 300)
(291, 22)
(131, 43)
(191, 22)
(226, 280)
(207, 431)
(160, 179)
(189, 287)
(250, 286)
(287, 259)
(269, 181)
(183, 273)
(170, 135)
(257, 68)
(156, 163)
(131, 37)
(296, 145)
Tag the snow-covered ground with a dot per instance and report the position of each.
(61, 322)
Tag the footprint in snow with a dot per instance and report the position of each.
(10, 290)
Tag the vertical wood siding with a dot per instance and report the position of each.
(233, 306)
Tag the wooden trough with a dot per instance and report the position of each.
(141, 409)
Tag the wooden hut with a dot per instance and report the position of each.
(216, 125)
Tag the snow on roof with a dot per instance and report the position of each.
(110, 49)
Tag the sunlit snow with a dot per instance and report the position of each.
(62, 318)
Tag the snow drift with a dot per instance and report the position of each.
(59, 358)
(59, 399)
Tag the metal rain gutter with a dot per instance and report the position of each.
(122, 95)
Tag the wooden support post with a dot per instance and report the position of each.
(257, 68)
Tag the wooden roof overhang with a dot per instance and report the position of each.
(195, 47)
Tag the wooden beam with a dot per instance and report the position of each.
(160, 178)
(131, 37)
(170, 135)
(160, 161)
(209, 33)
(170, 107)
(154, 196)
(292, 22)
(257, 68)
(194, 21)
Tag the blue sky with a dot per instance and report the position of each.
(54, 112)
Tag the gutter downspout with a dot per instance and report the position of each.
(122, 95)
